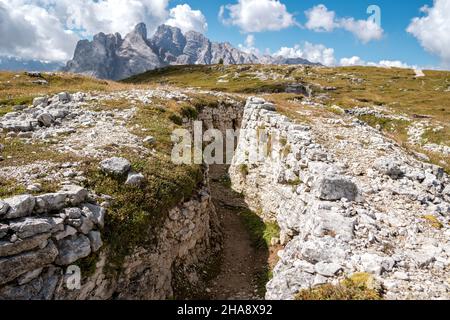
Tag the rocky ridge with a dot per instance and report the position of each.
(113, 57)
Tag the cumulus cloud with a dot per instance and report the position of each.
(352, 61)
(433, 30)
(50, 29)
(109, 16)
(313, 52)
(257, 15)
(357, 61)
(249, 46)
(32, 32)
(183, 17)
(364, 30)
(320, 19)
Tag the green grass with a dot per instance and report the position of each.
(207, 77)
(137, 213)
(261, 233)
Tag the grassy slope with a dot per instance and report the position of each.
(395, 89)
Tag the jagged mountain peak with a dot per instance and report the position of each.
(141, 29)
(113, 57)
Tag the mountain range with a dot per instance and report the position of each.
(17, 64)
(109, 56)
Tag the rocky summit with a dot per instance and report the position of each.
(113, 57)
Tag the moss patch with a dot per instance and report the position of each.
(359, 286)
(433, 221)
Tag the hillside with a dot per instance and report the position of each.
(350, 201)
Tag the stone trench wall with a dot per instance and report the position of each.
(42, 236)
(334, 223)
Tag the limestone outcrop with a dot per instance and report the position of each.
(345, 208)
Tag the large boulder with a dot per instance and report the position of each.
(336, 187)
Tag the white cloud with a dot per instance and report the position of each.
(257, 15)
(50, 29)
(110, 16)
(313, 52)
(433, 30)
(391, 64)
(249, 46)
(320, 19)
(32, 32)
(357, 61)
(353, 61)
(364, 30)
(183, 17)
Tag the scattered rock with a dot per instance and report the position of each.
(389, 167)
(40, 101)
(135, 179)
(149, 140)
(115, 166)
(45, 119)
(64, 97)
(334, 187)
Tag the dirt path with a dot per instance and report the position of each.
(241, 261)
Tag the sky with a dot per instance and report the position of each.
(403, 33)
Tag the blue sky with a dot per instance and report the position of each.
(396, 44)
(49, 30)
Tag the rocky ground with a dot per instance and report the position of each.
(357, 189)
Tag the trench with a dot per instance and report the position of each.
(243, 268)
(242, 263)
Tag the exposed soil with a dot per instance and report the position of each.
(242, 263)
